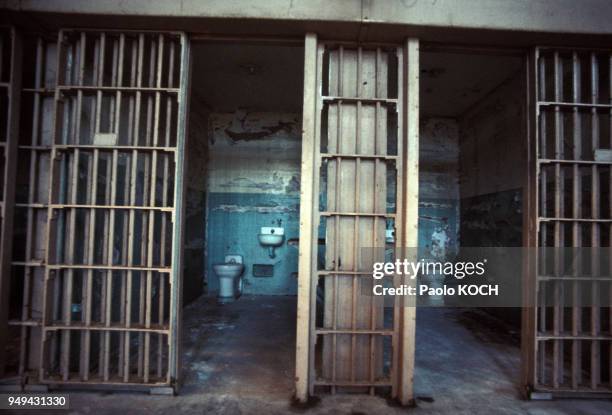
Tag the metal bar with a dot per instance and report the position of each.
(109, 267)
(543, 148)
(356, 223)
(315, 149)
(558, 229)
(369, 215)
(50, 294)
(409, 206)
(107, 207)
(576, 226)
(150, 243)
(373, 302)
(381, 383)
(137, 49)
(89, 226)
(126, 194)
(545, 161)
(595, 227)
(112, 148)
(165, 179)
(96, 127)
(355, 331)
(362, 100)
(100, 88)
(174, 340)
(105, 329)
(33, 179)
(553, 336)
(584, 220)
(73, 71)
(361, 156)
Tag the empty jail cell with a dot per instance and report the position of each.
(104, 173)
(574, 141)
(354, 333)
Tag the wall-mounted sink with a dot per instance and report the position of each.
(271, 238)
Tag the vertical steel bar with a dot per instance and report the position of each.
(373, 305)
(356, 209)
(152, 202)
(337, 218)
(409, 205)
(595, 228)
(164, 217)
(176, 276)
(576, 213)
(309, 199)
(33, 178)
(543, 229)
(139, 50)
(559, 230)
(148, 216)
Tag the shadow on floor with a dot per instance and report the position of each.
(239, 359)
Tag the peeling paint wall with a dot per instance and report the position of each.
(253, 181)
(438, 186)
(492, 148)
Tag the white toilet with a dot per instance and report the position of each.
(230, 281)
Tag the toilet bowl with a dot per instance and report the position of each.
(230, 281)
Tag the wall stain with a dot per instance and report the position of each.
(293, 185)
(257, 209)
(435, 205)
(264, 132)
(434, 219)
(440, 242)
(275, 183)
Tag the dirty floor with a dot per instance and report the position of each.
(238, 359)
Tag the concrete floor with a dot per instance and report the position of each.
(238, 359)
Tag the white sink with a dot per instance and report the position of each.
(271, 240)
(270, 236)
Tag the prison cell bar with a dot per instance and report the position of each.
(580, 105)
(110, 210)
(337, 212)
(31, 266)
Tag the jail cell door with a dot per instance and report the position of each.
(567, 326)
(111, 294)
(359, 198)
